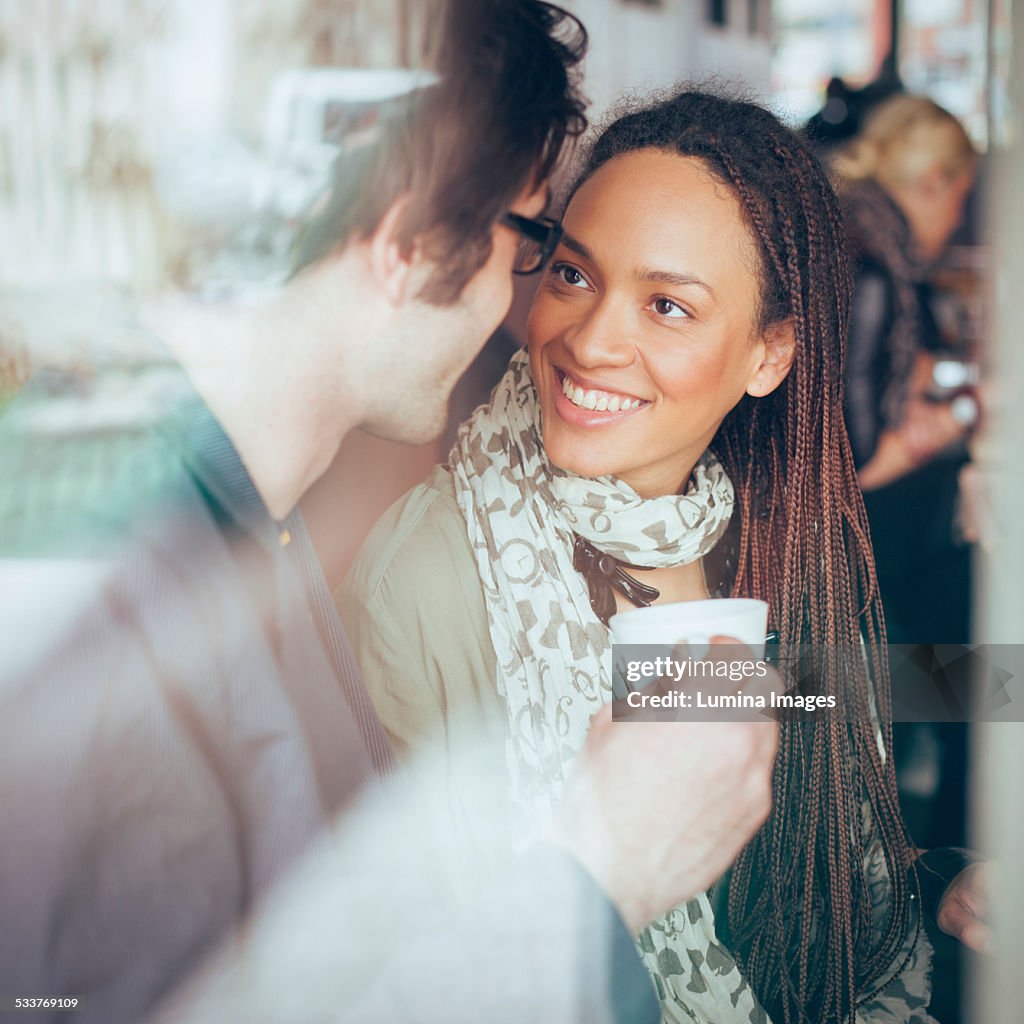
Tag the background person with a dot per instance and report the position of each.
(904, 181)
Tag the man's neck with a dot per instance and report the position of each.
(272, 382)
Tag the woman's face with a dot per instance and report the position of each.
(934, 207)
(643, 332)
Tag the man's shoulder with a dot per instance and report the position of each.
(82, 457)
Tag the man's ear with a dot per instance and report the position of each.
(778, 349)
(393, 270)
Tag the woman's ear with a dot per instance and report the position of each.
(777, 349)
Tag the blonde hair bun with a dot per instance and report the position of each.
(903, 138)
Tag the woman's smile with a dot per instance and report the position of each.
(586, 403)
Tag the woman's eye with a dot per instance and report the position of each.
(666, 307)
(569, 275)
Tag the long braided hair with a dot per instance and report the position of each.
(799, 909)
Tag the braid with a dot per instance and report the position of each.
(799, 909)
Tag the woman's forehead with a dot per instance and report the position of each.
(650, 207)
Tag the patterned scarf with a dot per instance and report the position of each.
(880, 232)
(554, 654)
(521, 513)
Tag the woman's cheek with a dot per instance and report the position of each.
(535, 322)
(540, 331)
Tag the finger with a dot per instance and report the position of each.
(978, 936)
(980, 889)
(722, 640)
(763, 679)
(971, 888)
(954, 916)
(746, 672)
(681, 651)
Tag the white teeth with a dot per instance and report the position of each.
(599, 401)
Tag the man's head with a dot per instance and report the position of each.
(424, 196)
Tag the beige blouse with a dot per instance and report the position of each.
(414, 611)
(413, 608)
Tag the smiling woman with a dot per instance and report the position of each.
(679, 415)
(643, 336)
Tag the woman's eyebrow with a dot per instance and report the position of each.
(673, 278)
(644, 273)
(577, 247)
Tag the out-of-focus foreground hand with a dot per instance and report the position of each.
(656, 811)
(964, 907)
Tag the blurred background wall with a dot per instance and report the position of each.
(641, 45)
(129, 127)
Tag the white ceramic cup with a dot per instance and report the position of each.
(695, 623)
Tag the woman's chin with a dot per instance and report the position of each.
(571, 459)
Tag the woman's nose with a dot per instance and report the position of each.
(602, 338)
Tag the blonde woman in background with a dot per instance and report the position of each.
(904, 181)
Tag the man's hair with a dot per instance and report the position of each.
(461, 150)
